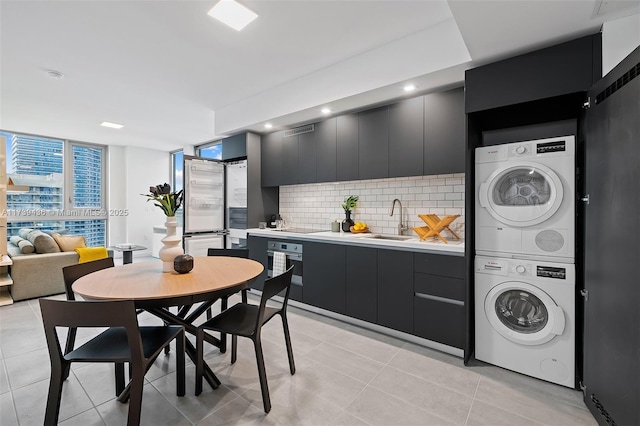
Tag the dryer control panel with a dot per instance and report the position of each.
(522, 268)
(551, 272)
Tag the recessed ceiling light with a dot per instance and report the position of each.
(55, 75)
(268, 125)
(232, 13)
(325, 110)
(111, 125)
(409, 87)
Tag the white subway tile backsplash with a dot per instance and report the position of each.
(315, 206)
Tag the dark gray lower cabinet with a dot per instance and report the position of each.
(439, 321)
(324, 276)
(417, 293)
(362, 283)
(258, 251)
(395, 290)
(438, 308)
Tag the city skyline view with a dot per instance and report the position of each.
(38, 162)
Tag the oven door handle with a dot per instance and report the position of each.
(290, 256)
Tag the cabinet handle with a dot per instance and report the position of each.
(439, 299)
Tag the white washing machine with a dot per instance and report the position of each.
(525, 199)
(525, 317)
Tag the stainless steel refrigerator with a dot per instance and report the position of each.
(215, 204)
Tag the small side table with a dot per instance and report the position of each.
(127, 252)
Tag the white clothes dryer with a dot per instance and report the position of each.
(525, 317)
(525, 199)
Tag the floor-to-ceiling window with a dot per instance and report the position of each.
(66, 186)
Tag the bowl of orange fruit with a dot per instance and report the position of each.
(359, 228)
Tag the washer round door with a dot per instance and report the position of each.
(523, 194)
(523, 313)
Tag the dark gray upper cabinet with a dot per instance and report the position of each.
(290, 174)
(234, 147)
(444, 132)
(406, 134)
(326, 150)
(347, 147)
(557, 70)
(307, 149)
(324, 276)
(373, 143)
(271, 159)
(395, 289)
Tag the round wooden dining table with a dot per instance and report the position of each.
(211, 278)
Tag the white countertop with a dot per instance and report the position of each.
(454, 247)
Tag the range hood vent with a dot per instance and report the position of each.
(299, 130)
(619, 83)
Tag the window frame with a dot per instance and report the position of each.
(68, 213)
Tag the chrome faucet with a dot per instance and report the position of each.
(401, 227)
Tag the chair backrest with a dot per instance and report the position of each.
(73, 314)
(228, 252)
(273, 286)
(73, 272)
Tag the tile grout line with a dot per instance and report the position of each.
(473, 400)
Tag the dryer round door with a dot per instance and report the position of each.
(522, 194)
(523, 313)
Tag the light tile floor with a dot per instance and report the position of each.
(345, 375)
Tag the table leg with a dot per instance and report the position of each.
(127, 257)
(170, 318)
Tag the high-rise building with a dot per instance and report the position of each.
(32, 155)
(38, 163)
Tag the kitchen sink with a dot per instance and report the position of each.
(388, 237)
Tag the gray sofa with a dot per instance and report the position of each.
(36, 275)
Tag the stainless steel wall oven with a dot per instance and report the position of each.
(293, 253)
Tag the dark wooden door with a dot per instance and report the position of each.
(347, 147)
(406, 137)
(324, 276)
(326, 151)
(444, 132)
(395, 289)
(271, 159)
(612, 247)
(290, 173)
(362, 283)
(373, 143)
(307, 157)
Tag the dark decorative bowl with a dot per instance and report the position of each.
(183, 263)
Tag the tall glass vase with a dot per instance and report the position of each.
(170, 245)
(347, 222)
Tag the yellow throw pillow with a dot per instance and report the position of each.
(89, 254)
(69, 242)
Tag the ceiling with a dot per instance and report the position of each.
(173, 76)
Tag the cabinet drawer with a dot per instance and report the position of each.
(439, 264)
(439, 321)
(450, 288)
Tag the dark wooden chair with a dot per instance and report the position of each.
(244, 253)
(224, 301)
(246, 320)
(124, 341)
(70, 275)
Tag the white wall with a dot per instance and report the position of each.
(131, 172)
(315, 206)
(619, 38)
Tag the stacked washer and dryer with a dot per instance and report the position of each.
(525, 257)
